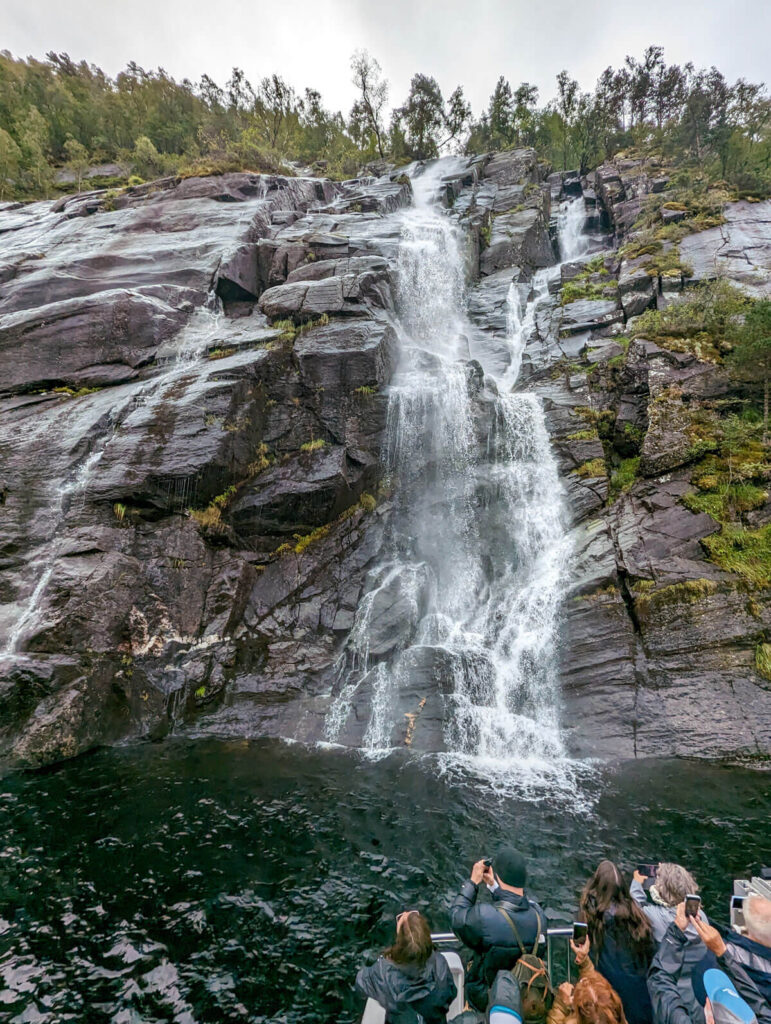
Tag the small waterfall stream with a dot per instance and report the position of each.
(475, 567)
(184, 351)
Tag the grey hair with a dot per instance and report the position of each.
(673, 883)
(757, 918)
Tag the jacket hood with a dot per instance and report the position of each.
(405, 984)
(512, 898)
(759, 950)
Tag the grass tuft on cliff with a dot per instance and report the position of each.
(763, 660)
(744, 552)
(593, 469)
(649, 600)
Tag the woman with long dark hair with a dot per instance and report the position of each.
(410, 978)
(621, 943)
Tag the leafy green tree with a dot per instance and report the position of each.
(751, 355)
(33, 140)
(146, 159)
(368, 110)
(525, 100)
(10, 159)
(568, 98)
(500, 115)
(423, 117)
(457, 117)
(77, 159)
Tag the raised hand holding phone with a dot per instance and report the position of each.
(692, 905)
(710, 936)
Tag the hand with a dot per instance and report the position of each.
(639, 877)
(582, 951)
(680, 919)
(489, 876)
(566, 991)
(478, 872)
(710, 936)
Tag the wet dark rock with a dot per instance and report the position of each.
(213, 515)
(519, 239)
(739, 250)
(513, 167)
(635, 287)
(590, 314)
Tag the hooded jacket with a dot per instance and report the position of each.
(410, 995)
(484, 929)
(754, 957)
(668, 1004)
(660, 918)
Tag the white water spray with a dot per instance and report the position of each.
(479, 526)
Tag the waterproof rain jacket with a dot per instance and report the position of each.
(410, 996)
(668, 1004)
(694, 950)
(754, 958)
(485, 930)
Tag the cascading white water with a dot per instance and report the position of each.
(572, 239)
(479, 541)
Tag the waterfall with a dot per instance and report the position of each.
(478, 553)
(571, 218)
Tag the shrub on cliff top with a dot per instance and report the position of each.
(702, 322)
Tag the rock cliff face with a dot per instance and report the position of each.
(193, 399)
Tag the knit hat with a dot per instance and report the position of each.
(509, 866)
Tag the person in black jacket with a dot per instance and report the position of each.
(411, 980)
(499, 931)
(620, 935)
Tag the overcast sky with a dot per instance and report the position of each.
(471, 42)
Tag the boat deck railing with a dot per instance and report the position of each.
(559, 960)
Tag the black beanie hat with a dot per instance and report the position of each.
(509, 866)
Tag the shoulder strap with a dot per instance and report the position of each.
(520, 943)
(537, 942)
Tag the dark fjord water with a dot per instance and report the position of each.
(227, 882)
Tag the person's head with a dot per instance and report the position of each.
(757, 918)
(606, 894)
(413, 945)
(715, 991)
(510, 869)
(673, 883)
(595, 1001)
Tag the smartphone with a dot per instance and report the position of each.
(649, 870)
(692, 905)
(580, 931)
